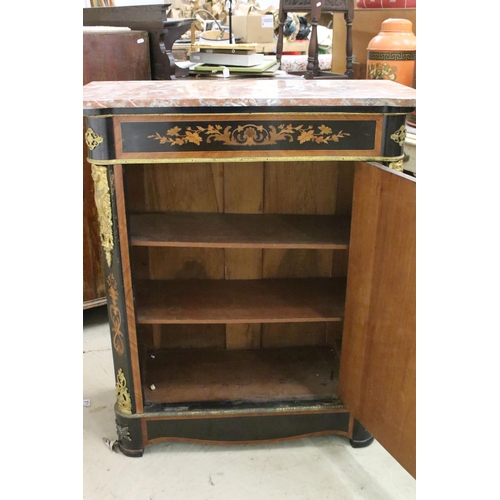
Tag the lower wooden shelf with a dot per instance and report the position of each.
(240, 301)
(256, 375)
(216, 230)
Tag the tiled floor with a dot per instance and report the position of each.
(320, 468)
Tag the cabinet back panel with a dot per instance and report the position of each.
(184, 187)
(186, 263)
(241, 336)
(293, 334)
(244, 188)
(243, 263)
(282, 263)
(255, 187)
(301, 187)
(271, 187)
(182, 336)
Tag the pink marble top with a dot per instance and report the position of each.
(246, 92)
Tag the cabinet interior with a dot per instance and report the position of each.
(239, 276)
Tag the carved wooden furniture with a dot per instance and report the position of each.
(107, 55)
(260, 273)
(163, 32)
(315, 9)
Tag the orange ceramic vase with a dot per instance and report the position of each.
(392, 54)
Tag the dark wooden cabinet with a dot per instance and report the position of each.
(161, 32)
(259, 269)
(108, 54)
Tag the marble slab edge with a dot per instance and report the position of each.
(246, 93)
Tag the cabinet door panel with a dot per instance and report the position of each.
(377, 377)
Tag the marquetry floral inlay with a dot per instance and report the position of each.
(115, 316)
(248, 135)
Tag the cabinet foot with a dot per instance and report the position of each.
(130, 439)
(361, 438)
(131, 453)
(114, 445)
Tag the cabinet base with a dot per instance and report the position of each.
(137, 431)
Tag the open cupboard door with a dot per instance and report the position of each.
(378, 362)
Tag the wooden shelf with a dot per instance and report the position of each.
(240, 301)
(281, 374)
(217, 230)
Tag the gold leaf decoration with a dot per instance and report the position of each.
(123, 398)
(400, 135)
(396, 165)
(103, 204)
(92, 139)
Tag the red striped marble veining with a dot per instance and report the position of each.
(246, 93)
